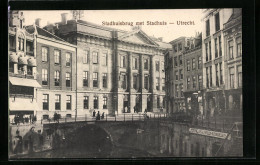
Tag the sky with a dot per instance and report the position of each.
(168, 32)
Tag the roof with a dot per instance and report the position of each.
(45, 33)
(24, 82)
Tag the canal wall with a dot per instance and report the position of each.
(158, 138)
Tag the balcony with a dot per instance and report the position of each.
(20, 74)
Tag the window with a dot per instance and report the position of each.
(67, 79)
(181, 89)
(180, 46)
(176, 90)
(44, 77)
(230, 49)
(207, 53)
(95, 102)
(239, 47)
(56, 57)
(220, 46)
(207, 28)
(207, 77)
(176, 75)
(21, 44)
(157, 83)
(158, 101)
(193, 64)
(200, 81)
(181, 74)
(57, 102)
(124, 82)
(95, 57)
(85, 79)
(239, 76)
(95, 79)
(231, 77)
(180, 59)
(157, 65)
(216, 47)
(68, 59)
(175, 48)
(29, 70)
(104, 102)
(146, 82)
(146, 63)
(199, 62)
(217, 79)
(85, 56)
(57, 78)
(221, 73)
(188, 83)
(217, 27)
(104, 59)
(194, 82)
(68, 102)
(85, 102)
(135, 63)
(163, 84)
(104, 78)
(45, 102)
(188, 65)
(12, 43)
(210, 76)
(44, 54)
(210, 55)
(175, 62)
(123, 61)
(135, 81)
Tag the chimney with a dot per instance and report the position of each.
(160, 38)
(64, 18)
(38, 22)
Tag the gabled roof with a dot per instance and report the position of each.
(45, 33)
(138, 36)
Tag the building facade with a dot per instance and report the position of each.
(117, 71)
(222, 69)
(177, 80)
(56, 70)
(193, 76)
(22, 69)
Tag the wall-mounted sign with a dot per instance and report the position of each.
(220, 135)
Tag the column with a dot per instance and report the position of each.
(34, 72)
(130, 83)
(152, 73)
(15, 68)
(141, 70)
(100, 80)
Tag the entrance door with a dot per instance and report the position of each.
(126, 109)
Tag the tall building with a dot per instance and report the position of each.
(117, 71)
(22, 68)
(193, 88)
(222, 69)
(233, 63)
(56, 70)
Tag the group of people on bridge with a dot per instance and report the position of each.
(98, 115)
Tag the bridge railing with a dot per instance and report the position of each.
(107, 118)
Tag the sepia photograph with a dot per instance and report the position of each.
(129, 84)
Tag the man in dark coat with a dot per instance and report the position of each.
(94, 113)
(98, 116)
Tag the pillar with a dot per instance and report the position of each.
(34, 72)
(15, 68)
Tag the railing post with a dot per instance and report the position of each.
(150, 116)
(106, 117)
(124, 117)
(154, 116)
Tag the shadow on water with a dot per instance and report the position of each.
(87, 142)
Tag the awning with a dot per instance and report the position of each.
(23, 104)
(24, 82)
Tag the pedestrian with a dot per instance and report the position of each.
(134, 109)
(30, 118)
(98, 116)
(145, 111)
(94, 113)
(125, 109)
(103, 115)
